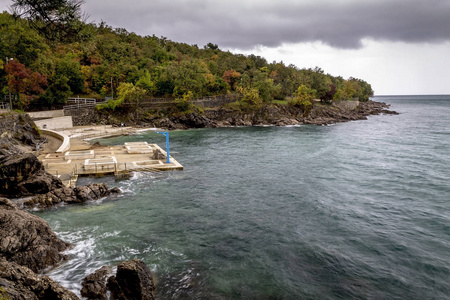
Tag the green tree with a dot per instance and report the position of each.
(250, 97)
(57, 92)
(303, 98)
(145, 82)
(71, 69)
(20, 42)
(184, 103)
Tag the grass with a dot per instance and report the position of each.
(280, 102)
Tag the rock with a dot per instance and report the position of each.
(20, 282)
(27, 239)
(22, 174)
(94, 285)
(133, 280)
(77, 194)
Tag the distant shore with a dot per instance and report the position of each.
(271, 114)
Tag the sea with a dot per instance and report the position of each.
(356, 210)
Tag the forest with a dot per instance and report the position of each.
(45, 61)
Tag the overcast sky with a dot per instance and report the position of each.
(399, 46)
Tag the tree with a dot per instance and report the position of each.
(71, 69)
(211, 46)
(57, 20)
(145, 82)
(19, 41)
(328, 97)
(184, 104)
(303, 97)
(231, 77)
(57, 92)
(23, 83)
(250, 97)
(130, 94)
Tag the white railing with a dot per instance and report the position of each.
(4, 105)
(76, 103)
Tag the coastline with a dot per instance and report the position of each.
(269, 116)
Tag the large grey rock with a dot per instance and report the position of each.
(77, 194)
(94, 285)
(19, 282)
(133, 281)
(27, 239)
(22, 174)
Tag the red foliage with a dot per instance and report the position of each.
(23, 81)
(231, 76)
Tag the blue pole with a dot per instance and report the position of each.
(166, 134)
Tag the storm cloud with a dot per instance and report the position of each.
(245, 24)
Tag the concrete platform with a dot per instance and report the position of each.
(84, 159)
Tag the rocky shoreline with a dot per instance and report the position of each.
(27, 243)
(271, 114)
(275, 115)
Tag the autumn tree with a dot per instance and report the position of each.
(24, 84)
(231, 76)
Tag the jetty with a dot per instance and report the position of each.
(69, 158)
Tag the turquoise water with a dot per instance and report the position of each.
(355, 210)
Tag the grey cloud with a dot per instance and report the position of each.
(246, 24)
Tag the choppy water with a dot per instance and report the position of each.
(355, 210)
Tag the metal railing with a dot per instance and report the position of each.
(4, 106)
(77, 103)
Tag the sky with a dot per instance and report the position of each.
(398, 46)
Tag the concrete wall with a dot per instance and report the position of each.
(46, 114)
(348, 105)
(55, 123)
(64, 139)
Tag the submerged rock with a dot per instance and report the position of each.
(27, 239)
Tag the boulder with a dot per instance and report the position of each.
(27, 239)
(133, 280)
(94, 285)
(19, 282)
(22, 174)
(77, 194)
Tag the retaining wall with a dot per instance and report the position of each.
(46, 114)
(55, 123)
(61, 136)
